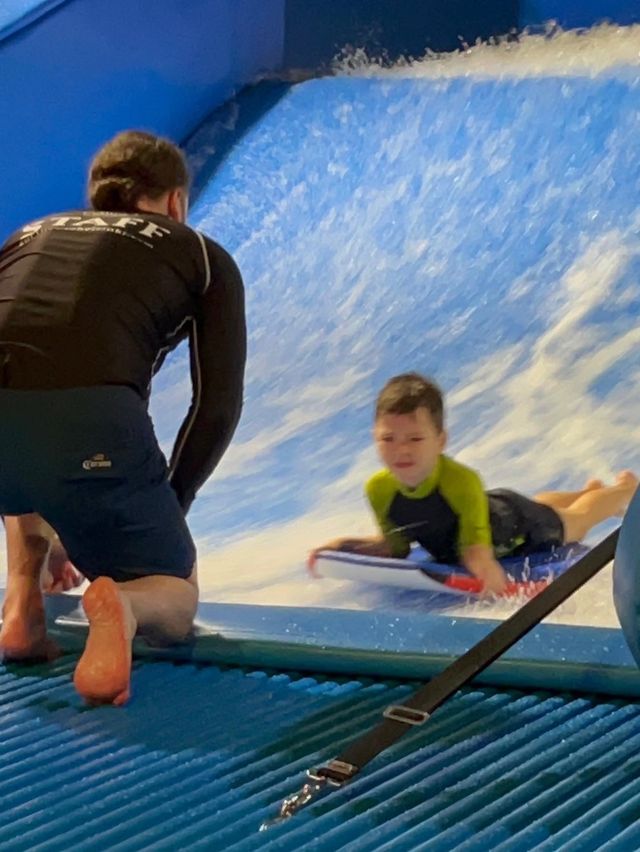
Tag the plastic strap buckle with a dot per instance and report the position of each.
(407, 715)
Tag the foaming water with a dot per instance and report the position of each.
(592, 605)
(553, 52)
(475, 217)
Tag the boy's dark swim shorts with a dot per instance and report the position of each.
(520, 526)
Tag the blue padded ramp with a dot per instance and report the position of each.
(584, 659)
(202, 755)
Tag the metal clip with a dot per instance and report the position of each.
(336, 772)
(408, 715)
(295, 802)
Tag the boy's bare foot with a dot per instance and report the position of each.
(627, 479)
(627, 482)
(103, 672)
(23, 636)
(593, 485)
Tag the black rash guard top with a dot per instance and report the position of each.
(95, 298)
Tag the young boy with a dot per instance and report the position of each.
(425, 496)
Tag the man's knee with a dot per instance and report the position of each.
(176, 628)
(192, 579)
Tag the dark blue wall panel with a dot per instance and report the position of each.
(89, 68)
(579, 13)
(316, 30)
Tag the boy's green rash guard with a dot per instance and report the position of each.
(446, 513)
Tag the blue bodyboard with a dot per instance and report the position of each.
(421, 573)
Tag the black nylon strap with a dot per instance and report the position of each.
(429, 697)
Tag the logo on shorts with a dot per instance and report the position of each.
(96, 462)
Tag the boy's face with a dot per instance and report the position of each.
(409, 445)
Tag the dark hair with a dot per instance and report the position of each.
(133, 164)
(406, 393)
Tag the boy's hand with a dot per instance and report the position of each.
(493, 577)
(311, 561)
(479, 559)
(313, 555)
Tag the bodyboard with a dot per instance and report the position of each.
(526, 573)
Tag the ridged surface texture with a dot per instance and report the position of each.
(201, 756)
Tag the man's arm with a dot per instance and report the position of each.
(218, 352)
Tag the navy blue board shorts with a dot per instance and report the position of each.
(88, 461)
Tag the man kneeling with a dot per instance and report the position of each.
(90, 302)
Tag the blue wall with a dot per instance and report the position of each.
(85, 69)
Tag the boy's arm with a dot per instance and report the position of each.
(474, 539)
(372, 546)
(390, 543)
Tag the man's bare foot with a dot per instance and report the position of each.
(103, 672)
(593, 485)
(23, 636)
